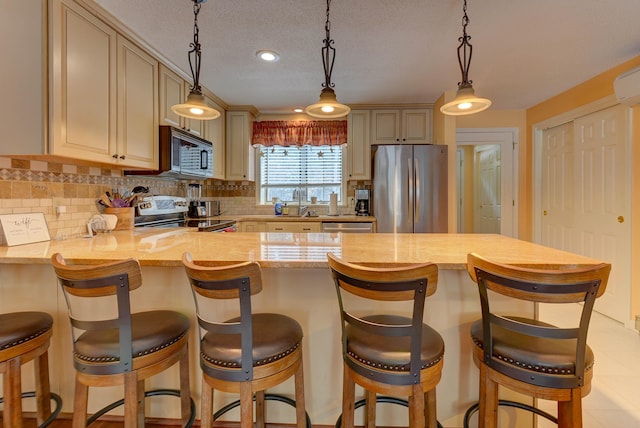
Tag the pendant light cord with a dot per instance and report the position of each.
(195, 52)
(328, 52)
(465, 46)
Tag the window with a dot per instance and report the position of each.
(309, 170)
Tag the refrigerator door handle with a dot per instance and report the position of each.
(410, 188)
(416, 174)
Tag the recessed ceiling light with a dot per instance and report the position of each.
(298, 110)
(268, 56)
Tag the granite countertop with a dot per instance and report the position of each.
(164, 247)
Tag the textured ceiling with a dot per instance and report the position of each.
(390, 51)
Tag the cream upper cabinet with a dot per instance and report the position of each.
(137, 106)
(406, 126)
(358, 145)
(103, 92)
(84, 74)
(214, 132)
(240, 153)
(174, 90)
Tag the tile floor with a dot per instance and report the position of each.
(614, 400)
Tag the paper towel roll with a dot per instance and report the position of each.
(333, 204)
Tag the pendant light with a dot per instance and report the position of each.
(465, 101)
(195, 107)
(328, 106)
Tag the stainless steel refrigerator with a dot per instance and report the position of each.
(410, 188)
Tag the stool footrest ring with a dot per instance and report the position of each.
(267, 397)
(380, 399)
(55, 397)
(474, 408)
(152, 393)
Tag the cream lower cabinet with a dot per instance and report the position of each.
(252, 226)
(359, 145)
(401, 126)
(103, 92)
(294, 226)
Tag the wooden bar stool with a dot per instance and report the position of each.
(117, 347)
(25, 336)
(529, 356)
(387, 353)
(248, 353)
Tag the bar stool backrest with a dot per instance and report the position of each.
(239, 281)
(391, 284)
(82, 282)
(580, 284)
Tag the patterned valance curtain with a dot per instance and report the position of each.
(303, 133)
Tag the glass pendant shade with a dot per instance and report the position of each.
(465, 102)
(327, 106)
(195, 107)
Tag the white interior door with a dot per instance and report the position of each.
(587, 197)
(488, 189)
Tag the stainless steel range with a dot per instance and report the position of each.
(171, 211)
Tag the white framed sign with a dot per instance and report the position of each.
(24, 228)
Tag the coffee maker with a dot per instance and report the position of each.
(197, 208)
(362, 202)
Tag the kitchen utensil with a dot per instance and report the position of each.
(140, 189)
(105, 200)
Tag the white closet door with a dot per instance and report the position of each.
(587, 197)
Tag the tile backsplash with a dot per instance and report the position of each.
(42, 186)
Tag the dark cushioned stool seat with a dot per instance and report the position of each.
(19, 327)
(274, 337)
(25, 336)
(151, 332)
(392, 353)
(534, 353)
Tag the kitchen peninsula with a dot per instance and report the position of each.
(296, 282)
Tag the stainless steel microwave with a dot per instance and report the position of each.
(182, 155)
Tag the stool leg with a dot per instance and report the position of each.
(43, 389)
(430, 409)
(81, 396)
(131, 398)
(185, 387)
(570, 412)
(246, 405)
(416, 407)
(260, 418)
(301, 416)
(206, 404)
(370, 397)
(12, 389)
(488, 403)
(348, 397)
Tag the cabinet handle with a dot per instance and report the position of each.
(544, 212)
(620, 219)
(306, 228)
(122, 157)
(115, 156)
(398, 140)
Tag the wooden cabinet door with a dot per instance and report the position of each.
(171, 93)
(83, 96)
(137, 106)
(214, 132)
(240, 153)
(385, 126)
(416, 126)
(358, 145)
